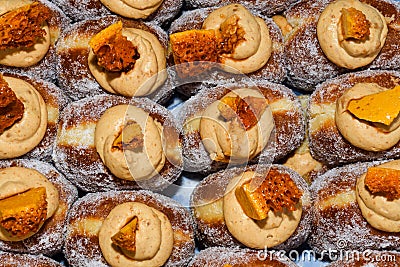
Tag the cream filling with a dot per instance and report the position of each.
(349, 53)
(23, 56)
(251, 54)
(135, 9)
(148, 74)
(229, 141)
(27, 133)
(14, 180)
(154, 236)
(272, 231)
(358, 132)
(377, 210)
(139, 164)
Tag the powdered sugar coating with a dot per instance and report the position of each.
(306, 63)
(289, 123)
(82, 249)
(54, 99)
(26, 260)
(327, 144)
(343, 227)
(274, 70)
(266, 7)
(49, 240)
(74, 75)
(220, 256)
(87, 9)
(46, 68)
(81, 163)
(213, 187)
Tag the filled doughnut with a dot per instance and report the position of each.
(114, 55)
(29, 48)
(110, 142)
(345, 118)
(34, 203)
(101, 225)
(229, 213)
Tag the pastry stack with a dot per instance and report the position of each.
(283, 116)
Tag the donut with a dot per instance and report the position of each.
(83, 72)
(260, 57)
(92, 151)
(309, 63)
(343, 216)
(203, 147)
(370, 258)
(159, 12)
(32, 132)
(42, 228)
(223, 257)
(222, 215)
(34, 53)
(267, 8)
(26, 260)
(97, 217)
(336, 135)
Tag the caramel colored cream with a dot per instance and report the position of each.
(146, 76)
(360, 133)
(253, 52)
(15, 180)
(24, 57)
(227, 140)
(377, 210)
(137, 164)
(154, 236)
(27, 133)
(270, 232)
(349, 53)
(135, 9)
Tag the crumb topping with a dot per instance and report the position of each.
(114, 52)
(23, 26)
(355, 24)
(383, 181)
(11, 108)
(229, 36)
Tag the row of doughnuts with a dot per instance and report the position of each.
(90, 147)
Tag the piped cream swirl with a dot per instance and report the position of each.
(135, 9)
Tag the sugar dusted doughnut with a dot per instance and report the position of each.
(222, 221)
(34, 134)
(338, 221)
(20, 175)
(222, 257)
(286, 114)
(306, 61)
(88, 220)
(76, 56)
(89, 154)
(32, 56)
(87, 9)
(336, 135)
(15, 260)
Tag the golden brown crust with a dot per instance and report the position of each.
(82, 244)
(326, 143)
(49, 240)
(212, 230)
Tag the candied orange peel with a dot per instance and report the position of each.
(126, 237)
(130, 137)
(275, 193)
(11, 108)
(355, 24)
(248, 109)
(22, 27)
(114, 51)
(24, 213)
(383, 181)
